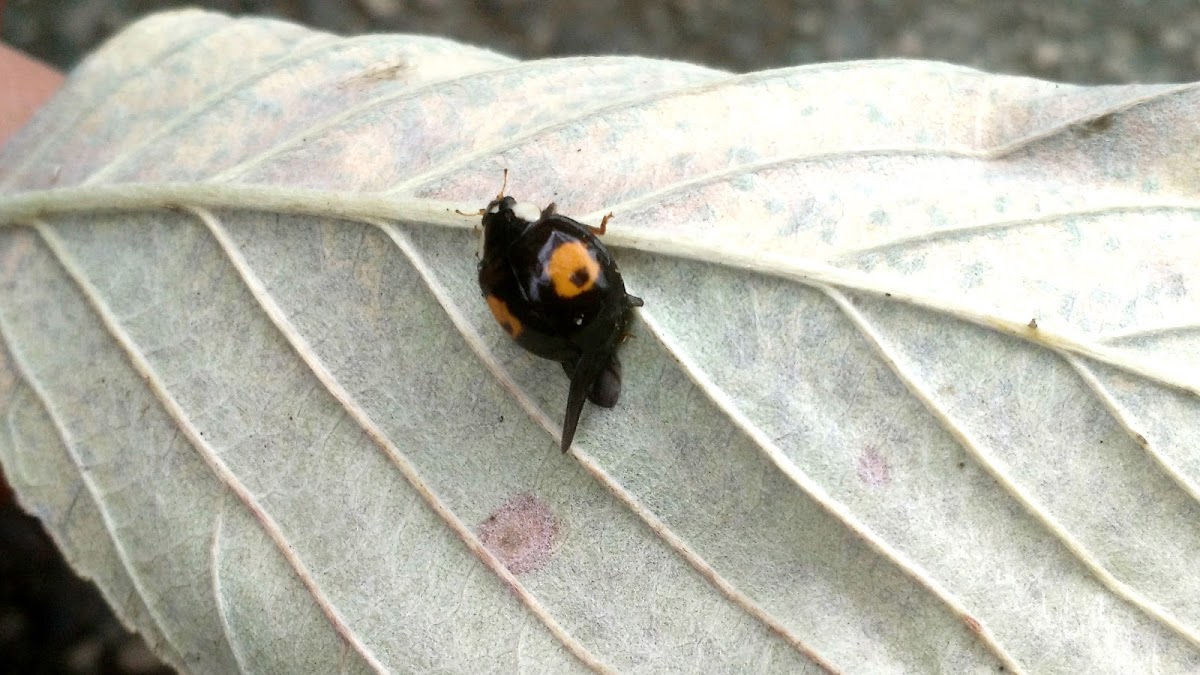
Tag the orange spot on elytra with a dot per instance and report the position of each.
(510, 324)
(572, 269)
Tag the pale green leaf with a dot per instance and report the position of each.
(914, 389)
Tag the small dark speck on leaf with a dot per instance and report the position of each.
(1098, 125)
(887, 295)
(522, 533)
(962, 465)
(379, 72)
(1033, 323)
(1141, 440)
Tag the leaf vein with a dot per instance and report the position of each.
(55, 136)
(410, 473)
(818, 494)
(300, 50)
(996, 469)
(475, 342)
(943, 234)
(21, 370)
(1150, 332)
(218, 595)
(325, 124)
(221, 470)
(729, 173)
(364, 207)
(1065, 126)
(1124, 419)
(679, 92)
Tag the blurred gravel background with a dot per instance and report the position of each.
(1081, 41)
(52, 622)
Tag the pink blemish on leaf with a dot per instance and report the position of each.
(873, 469)
(973, 624)
(522, 533)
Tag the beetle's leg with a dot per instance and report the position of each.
(603, 225)
(589, 367)
(607, 389)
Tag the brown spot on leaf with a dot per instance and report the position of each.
(381, 71)
(973, 624)
(522, 533)
(1097, 125)
(873, 469)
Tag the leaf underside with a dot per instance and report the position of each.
(914, 388)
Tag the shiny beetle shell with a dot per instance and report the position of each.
(555, 289)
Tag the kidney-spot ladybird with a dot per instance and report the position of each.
(555, 289)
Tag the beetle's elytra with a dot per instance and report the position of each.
(555, 289)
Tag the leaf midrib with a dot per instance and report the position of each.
(24, 208)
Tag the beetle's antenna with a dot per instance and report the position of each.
(480, 212)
